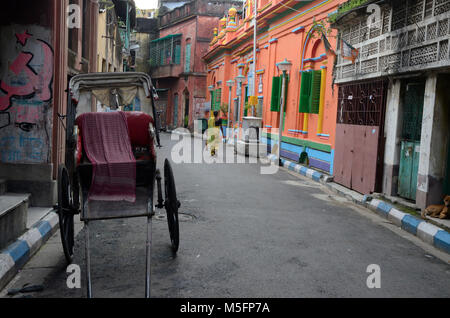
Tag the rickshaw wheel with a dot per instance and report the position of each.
(66, 224)
(171, 204)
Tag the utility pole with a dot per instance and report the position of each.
(254, 99)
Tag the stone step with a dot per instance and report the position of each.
(2, 186)
(13, 216)
(35, 214)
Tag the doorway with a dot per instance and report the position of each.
(175, 110)
(412, 100)
(447, 173)
(186, 109)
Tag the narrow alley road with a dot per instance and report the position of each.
(245, 234)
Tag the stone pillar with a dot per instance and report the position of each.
(392, 131)
(433, 143)
(251, 137)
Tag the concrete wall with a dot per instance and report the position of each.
(143, 53)
(106, 57)
(26, 78)
(26, 118)
(33, 79)
(392, 130)
(434, 141)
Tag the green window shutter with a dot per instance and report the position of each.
(187, 62)
(305, 91)
(213, 100)
(275, 98)
(315, 92)
(246, 100)
(217, 101)
(177, 53)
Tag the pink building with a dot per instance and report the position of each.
(176, 60)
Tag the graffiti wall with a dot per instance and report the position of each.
(26, 79)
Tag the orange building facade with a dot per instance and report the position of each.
(296, 31)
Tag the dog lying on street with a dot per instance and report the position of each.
(441, 211)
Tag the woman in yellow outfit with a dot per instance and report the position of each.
(214, 124)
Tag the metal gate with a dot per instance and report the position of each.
(358, 159)
(413, 98)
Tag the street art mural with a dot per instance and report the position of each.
(26, 79)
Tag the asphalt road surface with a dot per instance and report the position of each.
(246, 234)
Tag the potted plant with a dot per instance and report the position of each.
(247, 106)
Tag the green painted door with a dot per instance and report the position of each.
(409, 164)
(412, 97)
(246, 101)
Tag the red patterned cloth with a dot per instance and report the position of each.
(107, 145)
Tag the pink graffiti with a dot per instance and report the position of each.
(39, 84)
(23, 37)
(22, 113)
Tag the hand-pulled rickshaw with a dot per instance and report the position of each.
(76, 176)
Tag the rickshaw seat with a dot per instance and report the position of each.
(138, 124)
(138, 132)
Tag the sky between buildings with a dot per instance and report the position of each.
(146, 4)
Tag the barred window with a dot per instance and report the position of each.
(166, 50)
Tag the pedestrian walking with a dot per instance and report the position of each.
(214, 125)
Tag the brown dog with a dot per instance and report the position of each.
(443, 210)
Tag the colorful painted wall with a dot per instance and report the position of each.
(288, 30)
(26, 83)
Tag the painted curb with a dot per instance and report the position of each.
(427, 232)
(304, 171)
(17, 254)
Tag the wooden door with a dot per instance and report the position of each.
(409, 165)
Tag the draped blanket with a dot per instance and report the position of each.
(107, 145)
